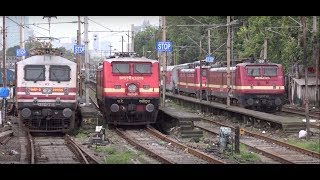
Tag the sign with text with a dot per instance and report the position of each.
(78, 49)
(164, 46)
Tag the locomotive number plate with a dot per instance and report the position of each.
(46, 104)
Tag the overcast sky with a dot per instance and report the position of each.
(68, 30)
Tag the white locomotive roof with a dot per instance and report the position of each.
(222, 69)
(169, 68)
(187, 70)
(130, 59)
(44, 59)
(258, 64)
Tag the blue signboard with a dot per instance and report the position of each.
(78, 49)
(209, 58)
(164, 46)
(4, 92)
(21, 52)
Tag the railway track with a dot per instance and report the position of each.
(57, 150)
(300, 111)
(172, 152)
(164, 149)
(274, 149)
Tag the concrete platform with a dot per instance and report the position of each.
(288, 124)
(185, 120)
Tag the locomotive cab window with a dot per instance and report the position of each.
(270, 71)
(120, 68)
(253, 71)
(59, 73)
(142, 68)
(34, 73)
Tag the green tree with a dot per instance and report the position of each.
(283, 34)
(146, 41)
(12, 51)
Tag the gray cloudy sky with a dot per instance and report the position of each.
(116, 23)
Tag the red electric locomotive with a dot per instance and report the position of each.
(257, 86)
(128, 90)
(189, 81)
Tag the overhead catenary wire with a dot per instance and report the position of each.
(100, 24)
(25, 26)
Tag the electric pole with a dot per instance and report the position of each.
(128, 42)
(209, 51)
(265, 46)
(132, 37)
(110, 49)
(228, 60)
(316, 56)
(164, 64)
(22, 34)
(200, 62)
(122, 44)
(86, 41)
(4, 82)
(304, 44)
(143, 51)
(79, 64)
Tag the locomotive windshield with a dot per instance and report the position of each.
(59, 73)
(253, 71)
(120, 68)
(34, 73)
(142, 68)
(270, 71)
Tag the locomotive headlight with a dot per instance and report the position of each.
(277, 101)
(117, 86)
(66, 91)
(114, 107)
(46, 90)
(67, 112)
(250, 101)
(26, 112)
(132, 88)
(27, 91)
(49, 91)
(146, 87)
(58, 101)
(150, 107)
(35, 100)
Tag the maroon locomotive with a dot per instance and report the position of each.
(189, 81)
(253, 85)
(258, 86)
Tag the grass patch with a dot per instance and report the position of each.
(106, 150)
(113, 156)
(81, 134)
(312, 145)
(120, 158)
(245, 155)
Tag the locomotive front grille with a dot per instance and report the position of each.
(127, 118)
(47, 125)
